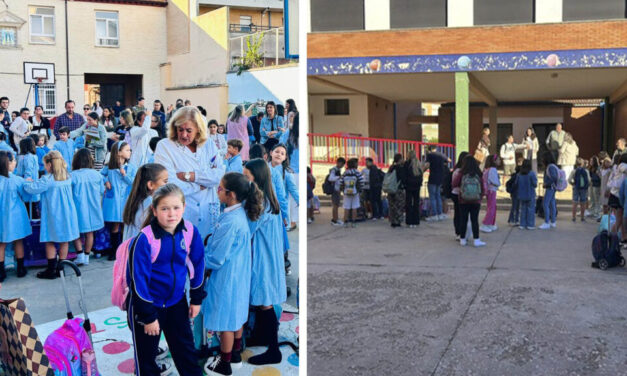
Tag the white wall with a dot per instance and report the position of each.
(356, 122)
(276, 84)
(377, 14)
(548, 11)
(460, 13)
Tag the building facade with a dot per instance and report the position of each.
(496, 62)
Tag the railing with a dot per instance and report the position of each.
(327, 148)
(238, 28)
(272, 49)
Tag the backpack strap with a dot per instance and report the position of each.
(155, 244)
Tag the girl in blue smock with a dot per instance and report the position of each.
(14, 224)
(228, 257)
(87, 190)
(119, 175)
(148, 179)
(280, 162)
(42, 149)
(59, 223)
(28, 168)
(267, 286)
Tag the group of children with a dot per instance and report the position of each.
(244, 259)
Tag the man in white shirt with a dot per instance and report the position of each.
(508, 156)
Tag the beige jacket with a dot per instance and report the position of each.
(568, 154)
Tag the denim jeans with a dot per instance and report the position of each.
(514, 212)
(435, 199)
(550, 211)
(528, 213)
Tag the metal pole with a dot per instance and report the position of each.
(36, 95)
(276, 50)
(67, 53)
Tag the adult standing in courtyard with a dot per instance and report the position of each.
(483, 148)
(396, 200)
(555, 140)
(194, 165)
(237, 128)
(271, 127)
(531, 148)
(436, 163)
(69, 119)
(568, 154)
(621, 148)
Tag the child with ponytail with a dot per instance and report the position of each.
(149, 178)
(119, 175)
(59, 222)
(229, 259)
(28, 168)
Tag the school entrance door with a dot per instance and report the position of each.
(542, 131)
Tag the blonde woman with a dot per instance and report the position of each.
(568, 154)
(59, 221)
(193, 164)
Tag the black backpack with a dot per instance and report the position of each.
(511, 187)
(328, 187)
(581, 178)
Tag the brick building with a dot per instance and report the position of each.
(506, 64)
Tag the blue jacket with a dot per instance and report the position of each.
(623, 194)
(526, 186)
(551, 176)
(234, 164)
(162, 284)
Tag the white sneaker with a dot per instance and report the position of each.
(443, 217)
(86, 258)
(530, 228)
(462, 242)
(544, 226)
(478, 243)
(309, 221)
(165, 368)
(521, 227)
(432, 218)
(554, 225)
(485, 228)
(338, 223)
(494, 227)
(79, 259)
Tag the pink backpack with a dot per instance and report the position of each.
(120, 285)
(70, 351)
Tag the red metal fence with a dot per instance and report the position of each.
(327, 148)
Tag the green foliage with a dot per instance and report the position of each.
(253, 55)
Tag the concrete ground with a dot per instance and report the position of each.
(414, 302)
(45, 302)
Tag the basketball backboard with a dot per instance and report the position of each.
(38, 73)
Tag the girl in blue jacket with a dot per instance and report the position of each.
(28, 168)
(267, 286)
(16, 226)
(228, 257)
(59, 223)
(87, 190)
(119, 175)
(157, 299)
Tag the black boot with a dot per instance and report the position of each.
(258, 335)
(51, 270)
(273, 354)
(3, 273)
(115, 243)
(21, 269)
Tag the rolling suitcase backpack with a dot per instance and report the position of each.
(34, 250)
(606, 251)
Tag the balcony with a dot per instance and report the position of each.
(248, 29)
(268, 46)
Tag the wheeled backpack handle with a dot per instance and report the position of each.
(70, 316)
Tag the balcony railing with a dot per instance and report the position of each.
(271, 51)
(248, 29)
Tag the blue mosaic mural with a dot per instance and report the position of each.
(602, 58)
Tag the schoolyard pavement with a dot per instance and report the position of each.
(402, 301)
(111, 336)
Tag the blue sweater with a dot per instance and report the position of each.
(161, 284)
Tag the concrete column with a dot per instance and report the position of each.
(460, 13)
(548, 11)
(492, 115)
(462, 83)
(377, 14)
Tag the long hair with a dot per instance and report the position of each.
(492, 161)
(292, 105)
(111, 116)
(286, 163)
(594, 164)
(460, 160)
(533, 133)
(169, 189)
(188, 113)
(236, 114)
(292, 139)
(568, 138)
(127, 116)
(27, 146)
(470, 166)
(5, 158)
(246, 192)
(139, 191)
(261, 172)
(82, 159)
(161, 107)
(138, 118)
(58, 167)
(525, 168)
(159, 128)
(414, 163)
(114, 159)
(548, 159)
(398, 158)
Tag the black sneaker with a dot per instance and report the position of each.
(217, 367)
(236, 359)
(162, 353)
(165, 369)
(48, 274)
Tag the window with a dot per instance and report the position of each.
(8, 36)
(48, 99)
(334, 15)
(41, 25)
(244, 22)
(107, 29)
(499, 12)
(417, 13)
(336, 107)
(576, 10)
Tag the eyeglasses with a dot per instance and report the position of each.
(86, 108)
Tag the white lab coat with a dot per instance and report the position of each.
(139, 139)
(21, 129)
(208, 167)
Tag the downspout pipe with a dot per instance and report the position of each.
(67, 53)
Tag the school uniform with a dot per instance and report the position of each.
(27, 167)
(140, 216)
(6, 147)
(281, 195)
(268, 266)
(59, 222)
(87, 190)
(41, 152)
(14, 223)
(228, 256)
(157, 292)
(115, 198)
(66, 148)
(234, 164)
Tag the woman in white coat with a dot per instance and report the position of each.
(531, 148)
(194, 165)
(138, 137)
(568, 154)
